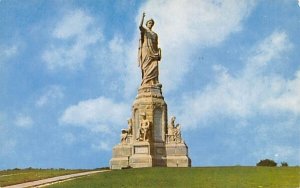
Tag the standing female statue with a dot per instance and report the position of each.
(149, 54)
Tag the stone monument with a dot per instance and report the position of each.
(149, 140)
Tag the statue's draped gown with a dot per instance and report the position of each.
(149, 55)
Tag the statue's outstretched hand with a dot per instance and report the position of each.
(142, 21)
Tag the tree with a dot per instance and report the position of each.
(284, 164)
(266, 162)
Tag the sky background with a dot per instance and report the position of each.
(230, 72)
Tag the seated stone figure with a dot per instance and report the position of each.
(174, 132)
(124, 136)
(170, 134)
(129, 126)
(144, 130)
(126, 133)
(177, 134)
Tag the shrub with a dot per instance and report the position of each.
(266, 162)
(284, 164)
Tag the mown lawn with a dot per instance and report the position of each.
(11, 177)
(210, 177)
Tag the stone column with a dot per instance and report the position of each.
(149, 103)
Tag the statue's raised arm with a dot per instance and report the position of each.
(142, 20)
(149, 53)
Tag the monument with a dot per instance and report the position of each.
(149, 139)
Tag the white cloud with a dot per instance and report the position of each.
(250, 92)
(114, 56)
(72, 37)
(207, 22)
(102, 146)
(269, 49)
(23, 121)
(101, 117)
(288, 96)
(184, 27)
(51, 94)
(116, 44)
(97, 115)
(74, 23)
(10, 51)
(7, 52)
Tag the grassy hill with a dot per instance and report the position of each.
(210, 177)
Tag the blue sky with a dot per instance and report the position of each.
(230, 72)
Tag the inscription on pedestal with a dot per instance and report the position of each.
(141, 150)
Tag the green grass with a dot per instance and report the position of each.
(11, 177)
(210, 177)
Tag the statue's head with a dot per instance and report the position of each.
(150, 23)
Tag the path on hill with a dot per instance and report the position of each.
(48, 181)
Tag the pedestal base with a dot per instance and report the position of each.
(178, 161)
(121, 154)
(140, 161)
(141, 155)
(119, 163)
(177, 155)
